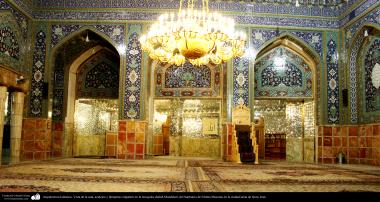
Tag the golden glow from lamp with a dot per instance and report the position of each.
(160, 117)
(199, 36)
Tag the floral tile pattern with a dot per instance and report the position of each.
(294, 80)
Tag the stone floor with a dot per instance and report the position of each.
(173, 174)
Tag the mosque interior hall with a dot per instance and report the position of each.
(190, 96)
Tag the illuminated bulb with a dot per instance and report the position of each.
(87, 39)
(297, 3)
(365, 33)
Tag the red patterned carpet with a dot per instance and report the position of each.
(185, 175)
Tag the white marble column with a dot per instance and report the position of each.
(16, 125)
(3, 99)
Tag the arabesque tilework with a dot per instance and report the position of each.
(241, 81)
(132, 91)
(21, 19)
(96, 77)
(188, 80)
(12, 45)
(332, 79)
(294, 80)
(38, 72)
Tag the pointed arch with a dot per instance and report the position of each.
(295, 43)
(64, 91)
(297, 47)
(72, 78)
(356, 71)
(360, 31)
(297, 87)
(68, 70)
(80, 31)
(353, 73)
(14, 57)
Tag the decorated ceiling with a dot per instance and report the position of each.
(38, 8)
(97, 3)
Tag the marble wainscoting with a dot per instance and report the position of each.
(194, 147)
(90, 145)
(309, 149)
(294, 149)
(360, 144)
(36, 139)
(57, 139)
(300, 149)
(131, 139)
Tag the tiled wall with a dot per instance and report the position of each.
(360, 144)
(131, 139)
(36, 139)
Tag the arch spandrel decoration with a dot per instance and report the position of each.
(295, 81)
(188, 80)
(113, 33)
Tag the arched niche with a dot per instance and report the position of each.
(12, 51)
(364, 75)
(282, 96)
(67, 58)
(297, 81)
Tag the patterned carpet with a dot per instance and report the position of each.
(172, 174)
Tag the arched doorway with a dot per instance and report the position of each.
(284, 95)
(86, 91)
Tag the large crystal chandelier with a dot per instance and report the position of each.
(199, 36)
